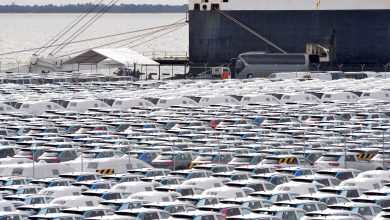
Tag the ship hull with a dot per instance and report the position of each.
(355, 37)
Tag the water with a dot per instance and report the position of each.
(25, 31)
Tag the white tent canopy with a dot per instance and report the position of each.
(120, 55)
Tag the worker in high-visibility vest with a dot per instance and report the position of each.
(225, 75)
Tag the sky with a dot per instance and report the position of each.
(59, 2)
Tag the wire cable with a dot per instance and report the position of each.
(83, 28)
(250, 30)
(121, 40)
(90, 39)
(177, 22)
(68, 28)
(147, 41)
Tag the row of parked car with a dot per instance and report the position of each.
(58, 78)
(123, 95)
(227, 160)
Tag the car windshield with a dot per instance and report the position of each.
(51, 154)
(165, 157)
(114, 206)
(333, 191)
(360, 117)
(314, 118)
(129, 214)
(42, 211)
(205, 158)
(136, 155)
(90, 155)
(270, 160)
(264, 196)
(3, 182)
(31, 211)
(192, 201)
(329, 158)
(242, 159)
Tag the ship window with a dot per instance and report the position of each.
(197, 7)
(215, 6)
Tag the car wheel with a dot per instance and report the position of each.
(379, 168)
(249, 76)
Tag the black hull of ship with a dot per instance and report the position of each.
(355, 37)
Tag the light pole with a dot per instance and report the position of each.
(341, 67)
(82, 160)
(318, 69)
(362, 65)
(387, 64)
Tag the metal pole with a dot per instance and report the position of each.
(345, 151)
(340, 67)
(159, 72)
(146, 74)
(304, 148)
(82, 160)
(33, 164)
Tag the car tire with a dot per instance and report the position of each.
(249, 76)
(379, 168)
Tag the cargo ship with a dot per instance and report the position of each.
(349, 33)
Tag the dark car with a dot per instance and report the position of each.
(173, 160)
(58, 155)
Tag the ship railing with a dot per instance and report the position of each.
(165, 54)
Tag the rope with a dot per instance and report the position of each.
(89, 39)
(250, 30)
(147, 41)
(68, 28)
(176, 23)
(122, 40)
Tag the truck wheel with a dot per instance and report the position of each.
(249, 76)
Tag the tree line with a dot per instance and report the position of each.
(81, 8)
